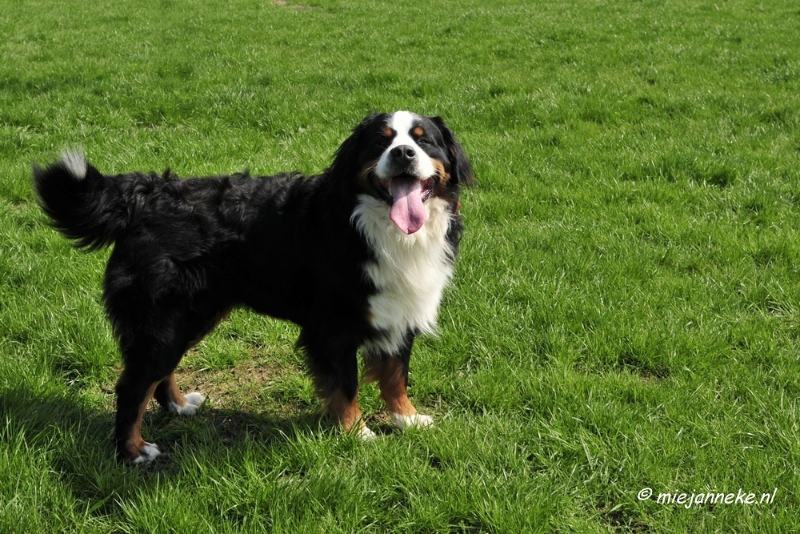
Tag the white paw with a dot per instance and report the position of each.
(411, 421)
(148, 454)
(193, 402)
(365, 433)
(195, 398)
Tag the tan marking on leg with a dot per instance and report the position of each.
(343, 411)
(389, 374)
(169, 395)
(174, 394)
(135, 445)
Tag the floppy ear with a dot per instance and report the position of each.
(346, 155)
(460, 168)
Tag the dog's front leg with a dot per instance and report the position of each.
(391, 373)
(334, 366)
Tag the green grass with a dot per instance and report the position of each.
(625, 311)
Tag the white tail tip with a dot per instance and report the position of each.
(75, 162)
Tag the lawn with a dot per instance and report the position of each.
(625, 312)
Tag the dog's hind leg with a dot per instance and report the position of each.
(169, 395)
(135, 388)
(150, 362)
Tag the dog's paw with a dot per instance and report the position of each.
(147, 454)
(365, 433)
(411, 421)
(193, 402)
(360, 430)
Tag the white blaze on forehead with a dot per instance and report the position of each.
(402, 122)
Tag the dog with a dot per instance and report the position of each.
(357, 256)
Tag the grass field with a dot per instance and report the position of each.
(625, 312)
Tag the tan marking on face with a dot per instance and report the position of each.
(419, 131)
(439, 166)
(388, 132)
(444, 178)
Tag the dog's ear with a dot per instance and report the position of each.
(460, 168)
(347, 154)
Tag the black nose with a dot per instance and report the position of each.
(403, 153)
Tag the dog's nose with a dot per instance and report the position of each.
(403, 154)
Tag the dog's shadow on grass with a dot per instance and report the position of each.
(215, 429)
(74, 442)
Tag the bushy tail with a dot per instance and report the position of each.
(83, 204)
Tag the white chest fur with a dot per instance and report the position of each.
(410, 271)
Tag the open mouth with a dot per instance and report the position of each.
(405, 195)
(384, 186)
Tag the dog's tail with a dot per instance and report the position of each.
(82, 203)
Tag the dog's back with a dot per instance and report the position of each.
(96, 210)
(179, 238)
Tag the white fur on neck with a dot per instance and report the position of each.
(410, 271)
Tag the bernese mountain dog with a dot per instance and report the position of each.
(357, 256)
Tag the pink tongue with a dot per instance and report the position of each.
(407, 212)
